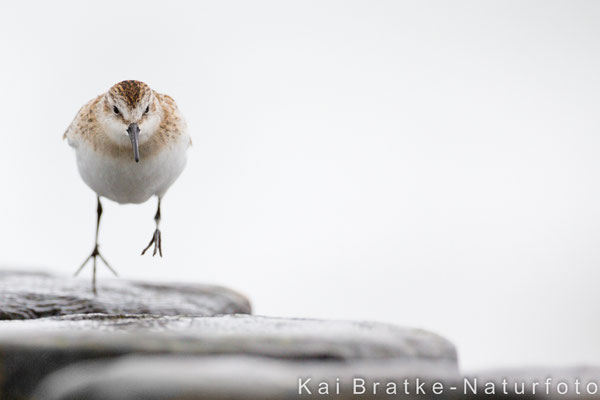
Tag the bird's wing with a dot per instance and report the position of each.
(173, 124)
(78, 126)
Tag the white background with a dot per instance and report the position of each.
(429, 164)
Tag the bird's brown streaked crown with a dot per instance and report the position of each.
(131, 91)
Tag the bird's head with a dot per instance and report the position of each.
(131, 113)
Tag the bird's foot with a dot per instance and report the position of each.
(95, 254)
(157, 241)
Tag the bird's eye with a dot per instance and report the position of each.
(147, 109)
(115, 110)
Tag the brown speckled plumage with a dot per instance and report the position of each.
(86, 126)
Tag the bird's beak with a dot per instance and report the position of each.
(134, 133)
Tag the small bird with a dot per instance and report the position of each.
(131, 144)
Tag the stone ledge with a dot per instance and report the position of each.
(29, 356)
(235, 378)
(31, 295)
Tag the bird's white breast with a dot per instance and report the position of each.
(124, 180)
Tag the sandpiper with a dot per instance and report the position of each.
(130, 144)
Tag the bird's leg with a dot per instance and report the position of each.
(96, 253)
(156, 239)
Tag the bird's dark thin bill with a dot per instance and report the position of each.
(134, 133)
